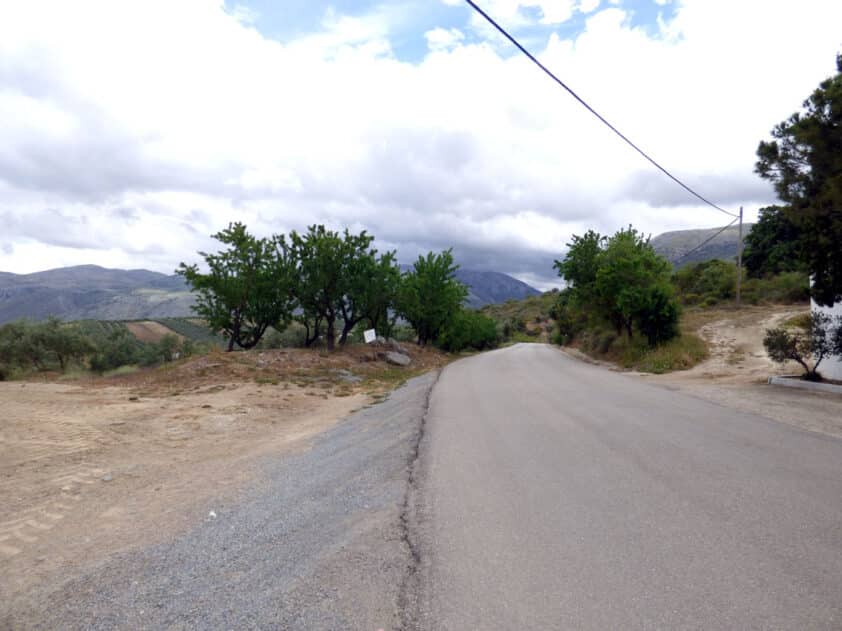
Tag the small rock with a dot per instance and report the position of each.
(397, 359)
(212, 514)
(207, 406)
(107, 477)
(396, 346)
(134, 398)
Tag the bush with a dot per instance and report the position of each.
(658, 316)
(469, 329)
(708, 282)
(119, 348)
(293, 336)
(604, 342)
(821, 339)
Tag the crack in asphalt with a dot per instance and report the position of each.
(407, 595)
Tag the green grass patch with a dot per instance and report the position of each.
(122, 370)
(680, 353)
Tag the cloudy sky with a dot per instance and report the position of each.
(131, 131)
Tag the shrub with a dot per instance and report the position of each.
(658, 316)
(708, 282)
(119, 348)
(293, 336)
(469, 329)
(821, 339)
(605, 341)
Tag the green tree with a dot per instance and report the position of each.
(119, 348)
(773, 245)
(804, 162)
(16, 348)
(338, 280)
(379, 294)
(627, 271)
(370, 286)
(64, 342)
(429, 296)
(579, 266)
(248, 288)
(658, 313)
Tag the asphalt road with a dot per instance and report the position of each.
(551, 494)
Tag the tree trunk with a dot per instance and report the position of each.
(346, 330)
(331, 335)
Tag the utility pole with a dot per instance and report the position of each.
(740, 257)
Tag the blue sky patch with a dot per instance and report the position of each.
(408, 20)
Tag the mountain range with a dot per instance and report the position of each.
(92, 292)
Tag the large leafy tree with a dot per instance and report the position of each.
(248, 286)
(429, 296)
(628, 271)
(773, 245)
(578, 268)
(378, 291)
(804, 162)
(341, 281)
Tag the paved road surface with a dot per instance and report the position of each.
(557, 495)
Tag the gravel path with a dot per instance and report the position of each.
(319, 544)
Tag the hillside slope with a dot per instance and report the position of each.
(673, 245)
(89, 292)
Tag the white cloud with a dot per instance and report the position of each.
(129, 132)
(588, 6)
(243, 14)
(442, 39)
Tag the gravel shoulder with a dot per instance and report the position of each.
(316, 541)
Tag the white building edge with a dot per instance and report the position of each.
(831, 367)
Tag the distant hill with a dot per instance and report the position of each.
(91, 292)
(673, 245)
(490, 288)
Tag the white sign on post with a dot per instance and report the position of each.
(370, 336)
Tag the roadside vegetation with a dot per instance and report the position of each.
(621, 304)
(56, 346)
(625, 304)
(807, 340)
(318, 290)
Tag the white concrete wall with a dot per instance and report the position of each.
(831, 367)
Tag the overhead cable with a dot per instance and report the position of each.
(593, 111)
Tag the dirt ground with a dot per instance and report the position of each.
(738, 369)
(92, 467)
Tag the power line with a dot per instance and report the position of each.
(706, 241)
(593, 111)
